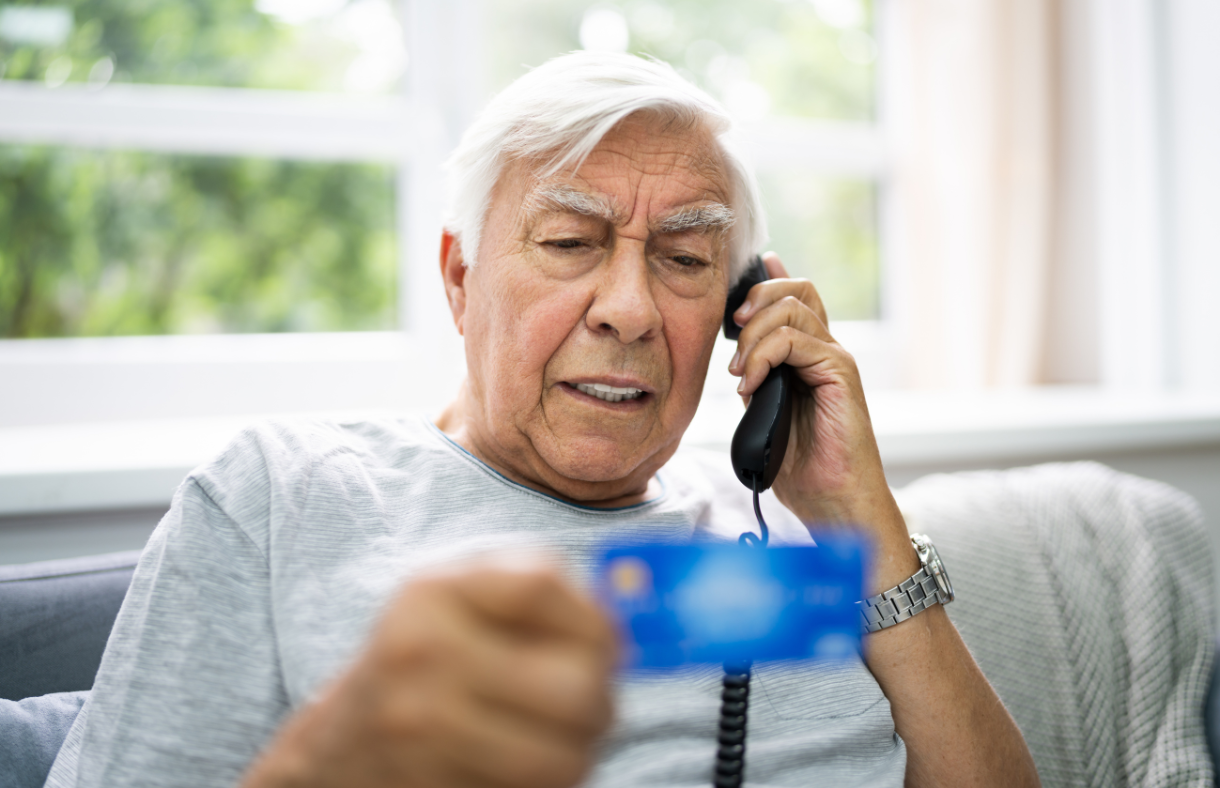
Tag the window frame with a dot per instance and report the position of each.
(413, 130)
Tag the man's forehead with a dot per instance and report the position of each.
(681, 166)
(651, 141)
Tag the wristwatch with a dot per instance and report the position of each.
(927, 587)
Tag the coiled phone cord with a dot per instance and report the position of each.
(735, 697)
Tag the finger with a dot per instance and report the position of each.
(816, 361)
(766, 293)
(535, 599)
(435, 627)
(788, 311)
(541, 601)
(559, 685)
(774, 266)
(560, 681)
(511, 751)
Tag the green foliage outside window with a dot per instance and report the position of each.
(805, 66)
(96, 243)
(826, 231)
(216, 43)
(121, 243)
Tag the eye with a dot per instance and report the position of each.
(686, 261)
(565, 243)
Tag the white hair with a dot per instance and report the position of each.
(560, 111)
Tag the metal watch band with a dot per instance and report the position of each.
(914, 595)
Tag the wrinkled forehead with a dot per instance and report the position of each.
(662, 146)
(686, 156)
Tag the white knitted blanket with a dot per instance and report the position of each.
(1086, 597)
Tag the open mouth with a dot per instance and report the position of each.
(608, 393)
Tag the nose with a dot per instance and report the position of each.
(623, 305)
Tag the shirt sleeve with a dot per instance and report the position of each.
(189, 689)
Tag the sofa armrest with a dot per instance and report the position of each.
(57, 617)
(32, 731)
(1087, 598)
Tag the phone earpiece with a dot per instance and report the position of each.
(761, 439)
(756, 273)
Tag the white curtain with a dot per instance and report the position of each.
(972, 113)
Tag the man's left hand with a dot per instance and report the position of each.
(832, 472)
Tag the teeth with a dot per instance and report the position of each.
(608, 393)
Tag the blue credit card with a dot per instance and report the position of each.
(678, 604)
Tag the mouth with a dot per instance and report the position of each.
(609, 393)
(619, 395)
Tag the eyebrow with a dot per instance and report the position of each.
(566, 198)
(713, 216)
(703, 217)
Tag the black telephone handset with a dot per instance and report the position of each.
(761, 439)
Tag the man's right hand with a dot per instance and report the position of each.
(480, 676)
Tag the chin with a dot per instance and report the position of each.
(599, 461)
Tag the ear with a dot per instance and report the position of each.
(453, 272)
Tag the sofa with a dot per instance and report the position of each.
(1086, 596)
(55, 617)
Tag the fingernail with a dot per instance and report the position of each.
(745, 308)
(741, 386)
(733, 363)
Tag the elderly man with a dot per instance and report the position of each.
(297, 618)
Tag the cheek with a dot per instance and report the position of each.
(520, 328)
(691, 340)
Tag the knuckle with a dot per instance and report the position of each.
(408, 717)
(575, 688)
(427, 591)
(416, 654)
(846, 359)
(526, 589)
(792, 303)
(788, 333)
(424, 648)
(422, 643)
(415, 712)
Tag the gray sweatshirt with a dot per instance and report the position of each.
(264, 580)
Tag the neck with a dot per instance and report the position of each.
(456, 422)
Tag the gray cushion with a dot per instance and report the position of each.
(31, 732)
(1087, 598)
(56, 618)
(1212, 711)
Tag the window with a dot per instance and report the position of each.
(259, 180)
(799, 76)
